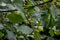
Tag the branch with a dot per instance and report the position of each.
(26, 8)
(39, 4)
(8, 10)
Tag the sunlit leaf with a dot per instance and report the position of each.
(1, 27)
(54, 11)
(25, 29)
(11, 35)
(45, 0)
(49, 38)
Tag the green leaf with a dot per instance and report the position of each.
(20, 9)
(51, 22)
(59, 11)
(11, 35)
(57, 32)
(36, 36)
(45, 19)
(30, 10)
(1, 34)
(25, 29)
(58, 23)
(15, 18)
(51, 32)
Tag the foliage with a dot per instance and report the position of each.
(29, 20)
